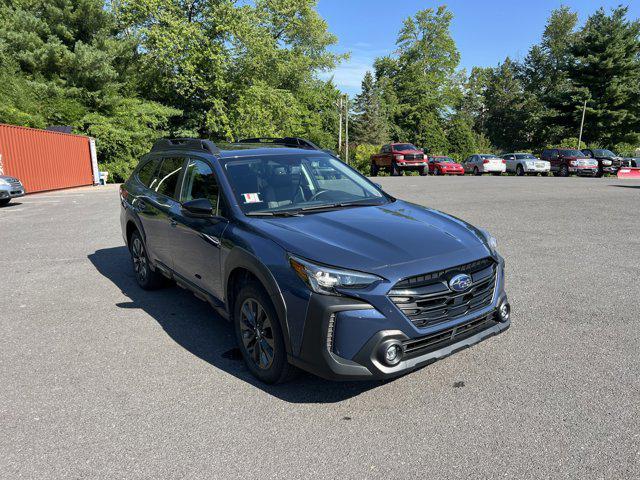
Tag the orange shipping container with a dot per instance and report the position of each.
(45, 160)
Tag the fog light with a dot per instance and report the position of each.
(393, 354)
(504, 311)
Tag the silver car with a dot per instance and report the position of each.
(526, 164)
(10, 187)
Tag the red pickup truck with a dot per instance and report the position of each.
(398, 157)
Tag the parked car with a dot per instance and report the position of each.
(331, 276)
(441, 165)
(10, 187)
(608, 162)
(565, 161)
(484, 163)
(398, 157)
(526, 164)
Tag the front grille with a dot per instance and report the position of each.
(414, 156)
(427, 299)
(419, 346)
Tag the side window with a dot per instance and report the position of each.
(200, 182)
(546, 154)
(146, 173)
(385, 149)
(588, 153)
(168, 174)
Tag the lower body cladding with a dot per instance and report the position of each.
(346, 339)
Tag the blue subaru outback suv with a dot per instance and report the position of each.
(315, 265)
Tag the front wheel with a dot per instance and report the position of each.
(374, 169)
(4, 201)
(564, 171)
(259, 335)
(519, 171)
(437, 171)
(395, 171)
(545, 174)
(476, 171)
(423, 171)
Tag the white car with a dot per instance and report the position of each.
(484, 163)
(525, 163)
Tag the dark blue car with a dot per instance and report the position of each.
(315, 265)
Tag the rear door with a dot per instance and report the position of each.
(197, 241)
(156, 207)
(511, 162)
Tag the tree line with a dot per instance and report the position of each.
(129, 71)
(419, 95)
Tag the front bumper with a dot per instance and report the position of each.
(407, 165)
(343, 338)
(9, 191)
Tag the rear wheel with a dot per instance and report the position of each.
(564, 171)
(476, 171)
(519, 170)
(423, 171)
(545, 174)
(374, 169)
(147, 279)
(259, 335)
(4, 201)
(599, 173)
(395, 171)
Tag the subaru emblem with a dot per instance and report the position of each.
(460, 282)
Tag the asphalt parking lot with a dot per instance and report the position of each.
(99, 379)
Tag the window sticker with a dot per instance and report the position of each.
(251, 197)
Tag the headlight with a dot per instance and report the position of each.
(606, 162)
(489, 240)
(325, 280)
(4, 182)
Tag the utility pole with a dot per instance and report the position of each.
(584, 110)
(346, 128)
(339, 104)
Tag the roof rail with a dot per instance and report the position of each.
(293, 142)
(186, 144)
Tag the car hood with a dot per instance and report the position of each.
(375, 238)
(408, 151)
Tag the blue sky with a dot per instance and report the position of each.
(485, 31)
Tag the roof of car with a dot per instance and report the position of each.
(241, 148)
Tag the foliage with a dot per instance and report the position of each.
(369, 123)
(361, 157)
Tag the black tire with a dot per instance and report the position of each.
(395, 171)
(519, 171)
(423, 171)
(564, 171)
(599, 173)
(374, 169)
(496, 174)
(436, 171)
(4, 201)
(545, 174)
(259, 335)
(147, 278)
(476, 171)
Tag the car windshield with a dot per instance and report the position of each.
(401, 147)
(484, 157)
(525, 156)
(572, 153)
(445, 160)
(604, 153)
(281, 184)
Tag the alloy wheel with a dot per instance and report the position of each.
(257, 333)
(139, 256)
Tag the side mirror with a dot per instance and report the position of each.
(199, 207)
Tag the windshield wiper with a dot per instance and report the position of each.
(329, 206)
(280, 213)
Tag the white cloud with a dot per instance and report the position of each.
(348, 75)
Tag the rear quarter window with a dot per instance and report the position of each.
(146, 173)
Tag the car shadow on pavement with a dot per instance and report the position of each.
(195, 326)
(626, 186)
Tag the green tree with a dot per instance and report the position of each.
(369, 122)
(606, 72)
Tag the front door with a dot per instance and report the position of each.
(197, 241)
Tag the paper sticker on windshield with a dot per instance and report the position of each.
(251, 197)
